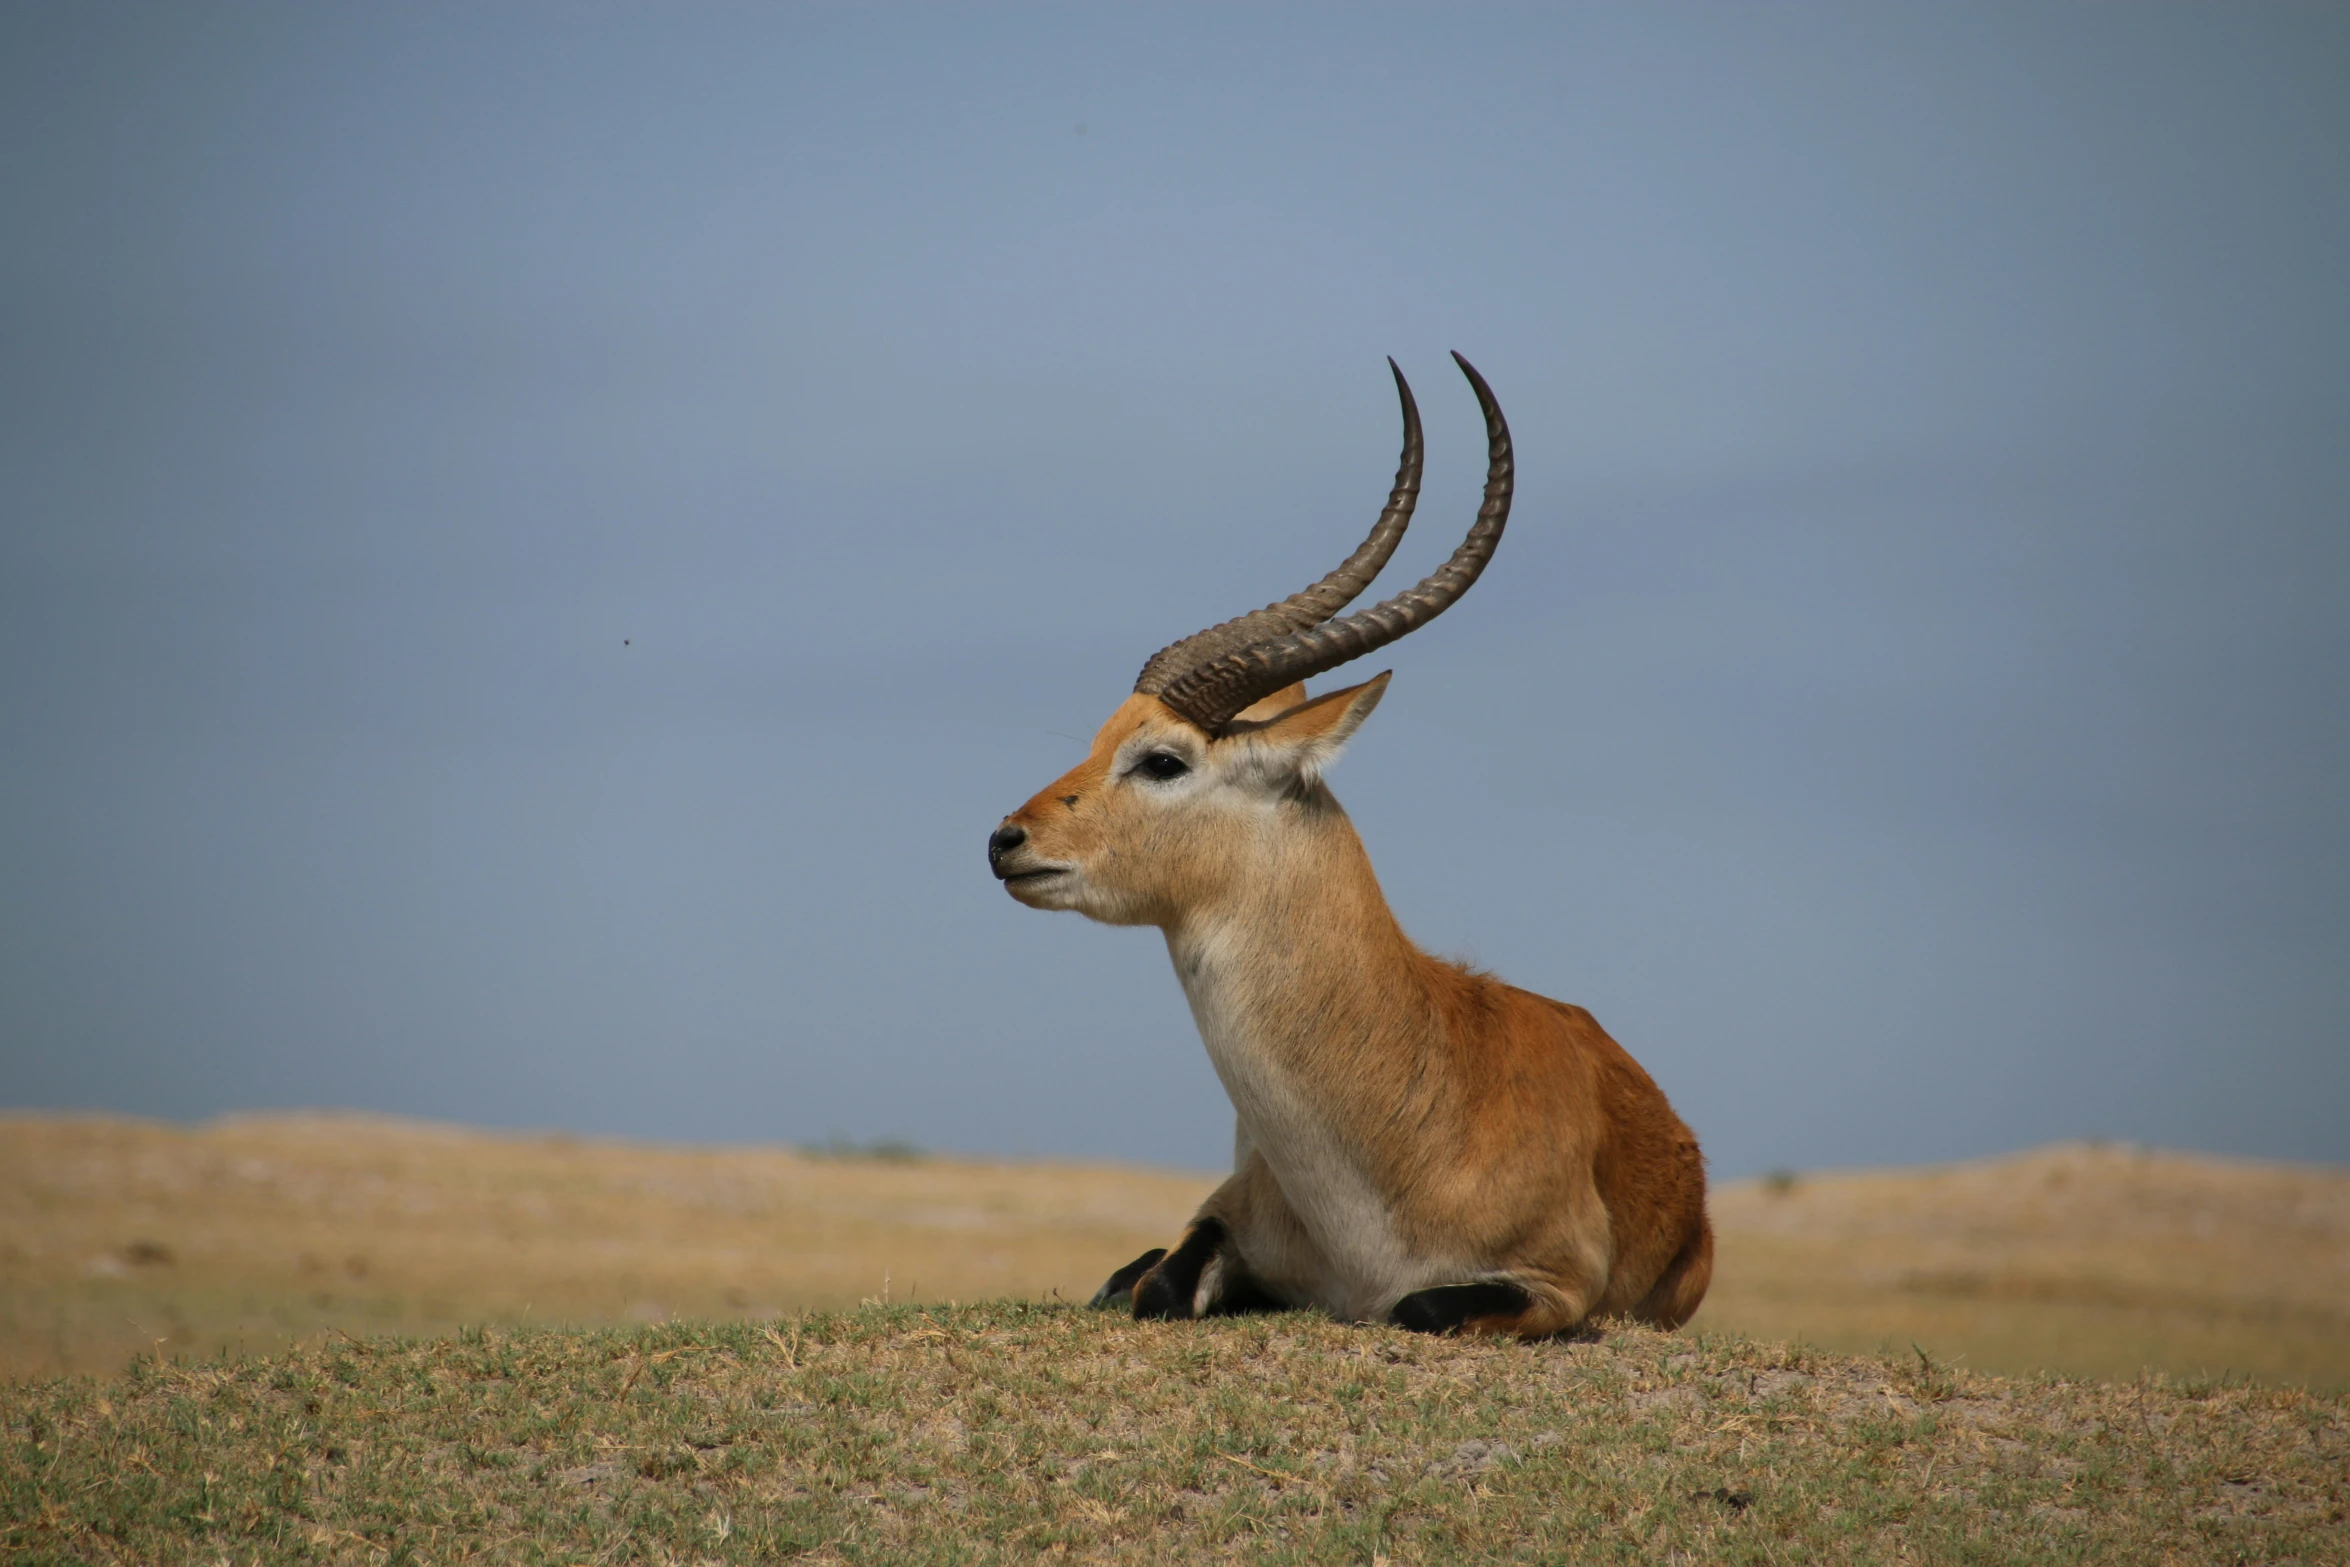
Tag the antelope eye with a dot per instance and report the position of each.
(1162, 766)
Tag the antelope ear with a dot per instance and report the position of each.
(1305, 740)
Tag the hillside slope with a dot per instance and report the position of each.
(1014, 1432)
(118, 1237)
(2097, 1260)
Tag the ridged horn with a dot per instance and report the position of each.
(1212, 691)
(1309, 606)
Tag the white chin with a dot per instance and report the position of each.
(1057, 891)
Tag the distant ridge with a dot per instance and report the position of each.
(261, 1228)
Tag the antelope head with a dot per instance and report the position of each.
(1194, 787)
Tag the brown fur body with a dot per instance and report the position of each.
(1404, 1123)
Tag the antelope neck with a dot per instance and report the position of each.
(1293, 971)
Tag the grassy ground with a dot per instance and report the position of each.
(121, 1237)
(1015, 1432)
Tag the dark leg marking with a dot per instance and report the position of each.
(1446, 1307)
(1119, 1288)
(1166, 1291)
(1242, 1295)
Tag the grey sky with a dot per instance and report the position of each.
(1911, 708)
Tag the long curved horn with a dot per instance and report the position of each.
(1309, 606)
(1210, 693)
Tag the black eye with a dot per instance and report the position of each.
(1162, 766)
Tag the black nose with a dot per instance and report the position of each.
(1003, 841)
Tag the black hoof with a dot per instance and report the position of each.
(1119, 1289)
(1446, 1307)
(1159, 1298)
(1166, 1291)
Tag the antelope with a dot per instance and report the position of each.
(1415, 1142)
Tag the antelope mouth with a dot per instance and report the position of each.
(1010, 878)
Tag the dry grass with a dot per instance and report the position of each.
(1012, 1433)
(119, 1237)
(2093, 1260)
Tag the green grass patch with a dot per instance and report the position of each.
(1010, 1432)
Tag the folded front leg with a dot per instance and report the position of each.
(1202, 1277)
